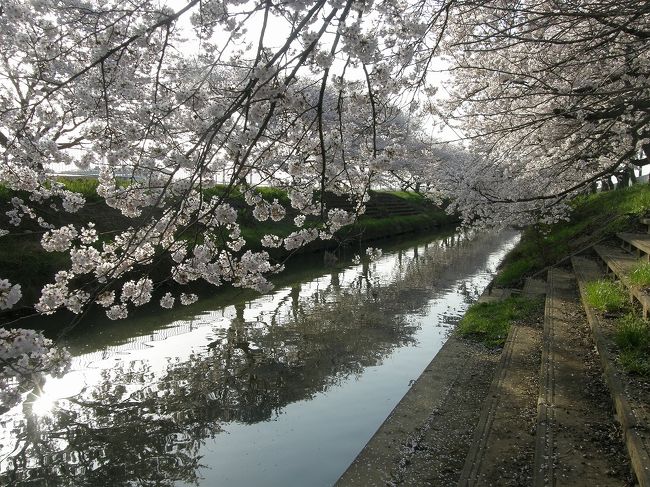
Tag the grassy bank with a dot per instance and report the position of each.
(593, 217)
(23, 260)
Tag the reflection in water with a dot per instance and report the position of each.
(143, 412)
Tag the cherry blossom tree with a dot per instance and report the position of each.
(164, 102)
(552, 97)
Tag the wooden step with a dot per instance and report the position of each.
(633, 417)
(636, 242)
(646, 221)
(621, 264)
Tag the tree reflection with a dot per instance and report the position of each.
(114, 434)
(144, 425)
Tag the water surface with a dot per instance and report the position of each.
(277, 390)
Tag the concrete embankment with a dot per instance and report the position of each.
(536, 412)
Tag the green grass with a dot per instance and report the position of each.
(640, 276)
(234, 193)
(633, 200)
(490, 322)
(606, 296)
(633, 339)
(593, 217)
(511, 273)
(369, 228)
(84, 186)
(270, 194)
(364, 229)
(5, 193)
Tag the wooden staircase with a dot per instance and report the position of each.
(630, 413)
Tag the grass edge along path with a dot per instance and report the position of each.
(490, 322)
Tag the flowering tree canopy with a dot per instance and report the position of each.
(119, 88)
(552, 95)
(166, 101)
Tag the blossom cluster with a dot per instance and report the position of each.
(26, 355)
(9, 294)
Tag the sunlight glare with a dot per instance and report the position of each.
(56, 389)
(44, 404)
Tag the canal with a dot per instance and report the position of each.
(282, 389)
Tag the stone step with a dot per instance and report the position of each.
(621, 264)
(534, 287)
(495, 294)
(379, 205)
(503, 436)
(638, 243)
(569, 415)
(472, 422)
(632, 415)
